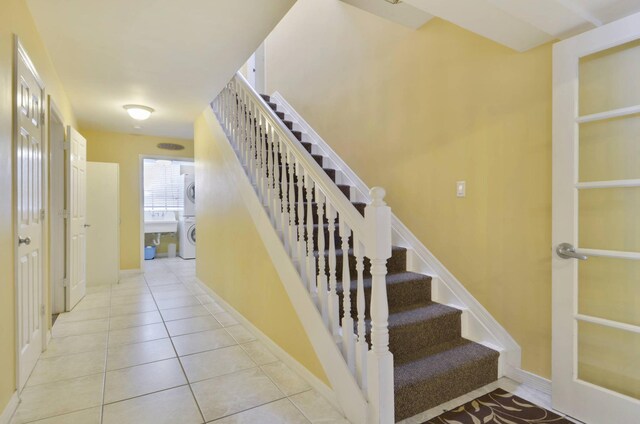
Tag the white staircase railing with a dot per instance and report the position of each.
(301, 199)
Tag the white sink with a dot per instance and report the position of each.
(160, 222)
(160, 226)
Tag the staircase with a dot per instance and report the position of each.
(405, 351)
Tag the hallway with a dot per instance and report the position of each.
(155, 348)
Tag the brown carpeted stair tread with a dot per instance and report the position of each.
(456, 368)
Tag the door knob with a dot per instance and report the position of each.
(567, 251)
(87, 225)
(26, 241)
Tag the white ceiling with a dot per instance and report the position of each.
(518, 24)
(173, 56)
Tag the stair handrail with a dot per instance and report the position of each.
(308, 163)
(264, 145)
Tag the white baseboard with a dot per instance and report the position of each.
(280, 353)
(124, 273)
(529, 379)
(9, 410)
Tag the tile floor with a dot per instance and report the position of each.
(156, 349)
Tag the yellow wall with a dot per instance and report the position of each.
(415, 111)
(16, 19)
(231, 257)
(126, 149)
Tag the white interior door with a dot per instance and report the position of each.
(596, 212)
(77, 209)
(29, 117)
(103, 218)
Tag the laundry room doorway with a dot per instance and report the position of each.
(168, 208)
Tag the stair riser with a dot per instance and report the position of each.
(398, 295)
(430, 393)
(397, 263)
(408, 342)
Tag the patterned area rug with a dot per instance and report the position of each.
(498, 407)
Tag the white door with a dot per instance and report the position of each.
(103, 218)
(596, 212)
(29, 117)
(77, 208)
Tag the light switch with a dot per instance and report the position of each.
(461, 188)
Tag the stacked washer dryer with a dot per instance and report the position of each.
(187, 222)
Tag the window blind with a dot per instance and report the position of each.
(162, 186)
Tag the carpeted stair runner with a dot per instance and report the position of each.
(433, 362)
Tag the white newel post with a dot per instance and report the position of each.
(377, 217)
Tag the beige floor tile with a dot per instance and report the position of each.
(205, 299)
(172, 294)
(75, 344)
(214, 363)
(75, 328)
(102, 288)
(213, 307)
(171, 406)
(161, 280)
(86, 416)
(178, 302)
(278, 412)
(126, 291)
(132, 299)
(143, 333)
(240, 334)
(61, 397)
(182, 313)
(135, 320)
(100, 301)
(66, 367)
(129, 355)
(233, 393)
(143, 379)
(317, 409)
(89, 314)
(192, 325)
(259, 353)
(202, 341)
(286, 379)
(225, 319)
(168, 287)
(135, 308)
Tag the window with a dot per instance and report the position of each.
(162, 185)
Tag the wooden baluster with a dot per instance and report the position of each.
(293, 233)
(246, 132)
(269, 150)
(348, 339)
(334, 311)
(277, 207)
(285, 192)
(254, 154)
(302, 246)
(263, 159)
(322, 276)
(362, 347)
(380, 360)
(311, 259)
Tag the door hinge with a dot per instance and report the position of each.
(65, 214)
(66, 145)
(42, 214)
(42, 118)
(42, 310)
(65, 282)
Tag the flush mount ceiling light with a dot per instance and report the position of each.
(138, 112)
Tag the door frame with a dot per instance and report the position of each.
(566, 56)
(141, 159)
(56, 166)
(18, 52)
